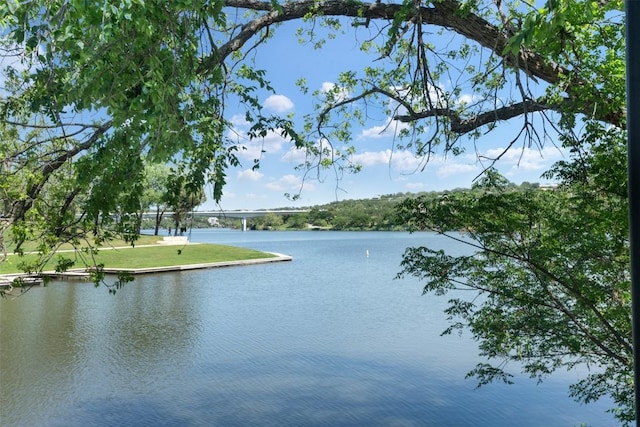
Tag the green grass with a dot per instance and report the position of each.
(143, 239)
(145, 257)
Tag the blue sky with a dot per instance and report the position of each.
(384, 171)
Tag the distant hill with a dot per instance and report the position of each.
(376, 213)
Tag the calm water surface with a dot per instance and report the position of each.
(330, 339)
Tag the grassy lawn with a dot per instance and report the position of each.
(143, 239)
(155, 256)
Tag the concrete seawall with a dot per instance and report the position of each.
(150, 270)
(82, 274)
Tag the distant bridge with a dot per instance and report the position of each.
(242, 214)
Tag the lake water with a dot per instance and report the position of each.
(329, 339)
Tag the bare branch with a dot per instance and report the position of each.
(20, 207)
(462, 126)
(444, 13)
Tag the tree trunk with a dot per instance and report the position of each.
(176, 225)
(159, 214)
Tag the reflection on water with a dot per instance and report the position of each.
(328, 339)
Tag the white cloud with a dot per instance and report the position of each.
(285, 183)
(513, 163)
(278, 103)
(254, 149)
(435, 94)
(255, 196)
(11, 56)
(300, 155)
(455, 168)
(334, 93)
(272, 143)
(372, 158)
(250, 175)
(228, 194)
(239, 120)
(407, 162)
(415, 186)
(375, 132)
(402, 161)
(528, 159)
(295, 155)
(327, 86)
(466, 99)
(383, 131)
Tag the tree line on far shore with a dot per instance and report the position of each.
(373, 214)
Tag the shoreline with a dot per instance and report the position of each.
(200, 266)
(81, 274)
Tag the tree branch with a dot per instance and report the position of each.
(444, 13)
(462, 126)
(20, 207)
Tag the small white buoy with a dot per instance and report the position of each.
(367, 252)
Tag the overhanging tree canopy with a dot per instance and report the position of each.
(95, 90)
(147, 78)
